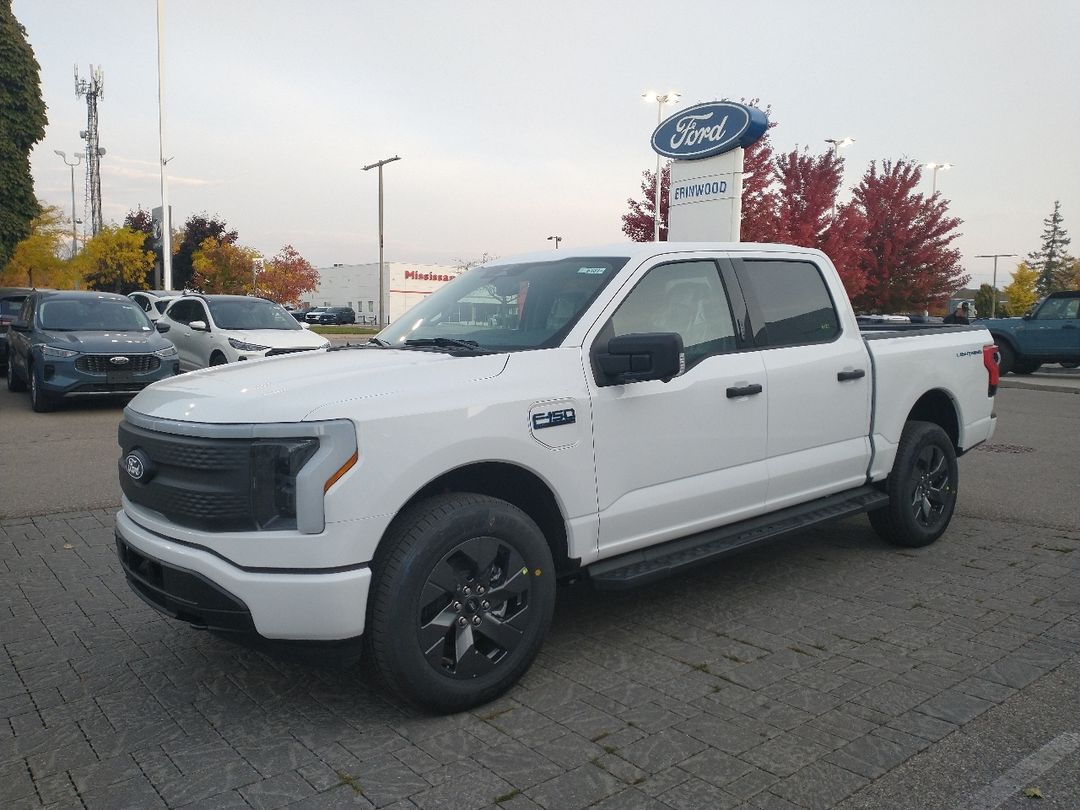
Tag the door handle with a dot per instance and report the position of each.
(743, 391)
(844, 376)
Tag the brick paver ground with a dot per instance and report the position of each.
(793, 676)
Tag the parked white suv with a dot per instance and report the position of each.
(211, 330)
(154, 302)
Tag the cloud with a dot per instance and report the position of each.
(135, 169)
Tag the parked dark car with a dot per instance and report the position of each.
(1050, 333)
(11, 301)
(84, 344)
(332, 315)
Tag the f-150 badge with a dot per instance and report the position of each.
(559, 414)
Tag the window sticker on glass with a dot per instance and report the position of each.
(592, 271)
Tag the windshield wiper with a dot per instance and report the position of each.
(447, 343)
(382, 344)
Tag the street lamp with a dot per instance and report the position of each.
(78, 160)
(935, 168)
(839, 143)
(995, 257)
(378, 165)
(166, 213)
(557, 240)
(661, 100)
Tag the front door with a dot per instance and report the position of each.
(678, 457)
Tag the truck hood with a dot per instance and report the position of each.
(292, 387)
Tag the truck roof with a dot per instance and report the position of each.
(642, 250)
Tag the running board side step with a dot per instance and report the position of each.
(655, 563)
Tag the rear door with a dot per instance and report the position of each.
(677, 457)
(818, 379)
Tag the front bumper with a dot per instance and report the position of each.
(195, 585)
(60, 377)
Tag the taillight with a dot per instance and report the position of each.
(991, 359)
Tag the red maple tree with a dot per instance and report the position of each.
(907, 259)
(286, 277)
(638, 221)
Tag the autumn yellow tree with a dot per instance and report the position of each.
(223, 267)
(36, 260)
(1021, 293)
(114, 259)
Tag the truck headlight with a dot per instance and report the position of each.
(241, 346)
(53, 351)
(274, 467)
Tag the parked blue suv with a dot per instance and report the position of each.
(1048, 334)
(78, 343)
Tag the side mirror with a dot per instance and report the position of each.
(639, 357)
(1027, 316)
(199, 326)
(304, 325)
(162, 327)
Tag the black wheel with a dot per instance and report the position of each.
(922, 488)
(218, 359)
(1007, 357)
(462, 597)
(40, 401)
(14, 381)
(1026, 367)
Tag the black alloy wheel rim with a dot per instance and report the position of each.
(474, 608)
(932, 491)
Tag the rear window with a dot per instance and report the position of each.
(11, 305)
(793, 302)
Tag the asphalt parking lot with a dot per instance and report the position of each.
(827, 670)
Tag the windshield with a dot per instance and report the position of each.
(507, 307)
(91, 314)
(251, 313)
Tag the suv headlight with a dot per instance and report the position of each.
(53, 351)
(169, 352)
(241, 346)
(274, 467)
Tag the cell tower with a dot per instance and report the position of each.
(93, 88)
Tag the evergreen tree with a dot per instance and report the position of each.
(22, 124)
(1052, 260)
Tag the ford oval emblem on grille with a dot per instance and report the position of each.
(119, 360)
(137, 465)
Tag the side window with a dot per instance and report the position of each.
(1058, 309)
(792, 302)
(184, 312)
(683, 297)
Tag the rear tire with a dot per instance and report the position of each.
(461, 599)
(922, 488)
(1007, 357)
(40, 401)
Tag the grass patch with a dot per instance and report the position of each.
(600, 736)
(346, 779)
(513, 794)
(700, 667)
(343, 329)
(492, 715)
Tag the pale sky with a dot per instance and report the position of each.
(518, 121)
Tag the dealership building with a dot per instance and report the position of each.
(357, 286)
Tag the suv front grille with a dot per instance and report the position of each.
(101, 363)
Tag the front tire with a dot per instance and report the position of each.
(462, 597)
(15, 383)
(922, 488)
(40, 401)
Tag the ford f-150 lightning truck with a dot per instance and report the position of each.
(615, 414)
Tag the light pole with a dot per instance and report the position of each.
(660, 99)
(378, 165)
(837, 145)
(935, 168)
(557, 240)
(78, 160)
(995, 257)
(166, 219)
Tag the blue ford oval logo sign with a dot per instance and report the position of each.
(705, 130)
(137, 465)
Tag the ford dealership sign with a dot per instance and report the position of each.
(705, 130)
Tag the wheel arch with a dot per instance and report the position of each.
(939, 408)
(515, 485)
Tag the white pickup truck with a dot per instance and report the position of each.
(616, 414)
